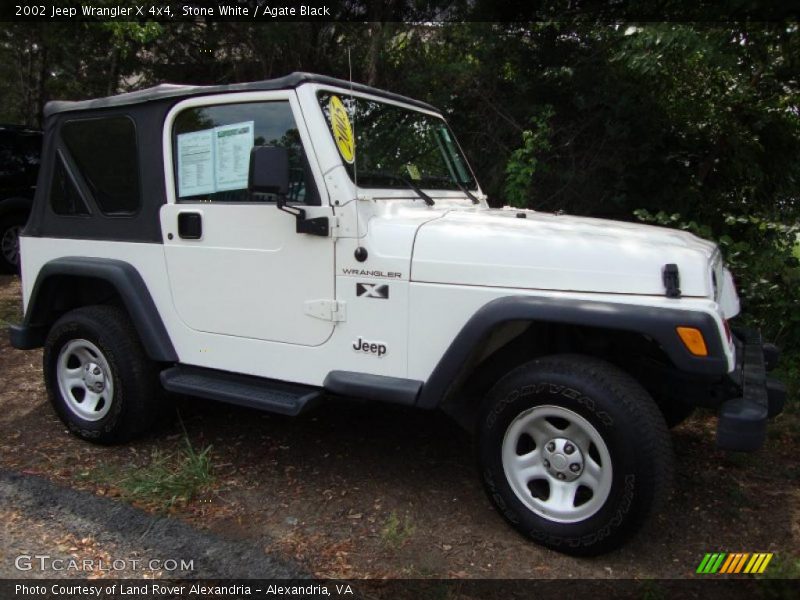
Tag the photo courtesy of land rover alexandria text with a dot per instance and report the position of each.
(282, 243)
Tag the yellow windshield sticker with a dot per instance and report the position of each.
(342, 131)
(413, 172)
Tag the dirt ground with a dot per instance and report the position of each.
(353, 490)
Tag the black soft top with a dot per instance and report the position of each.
(168, 90)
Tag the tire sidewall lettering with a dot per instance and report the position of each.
(553, 389)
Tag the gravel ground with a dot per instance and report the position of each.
(106, 538)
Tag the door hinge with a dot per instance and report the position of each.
(327, 310)
(336, 231)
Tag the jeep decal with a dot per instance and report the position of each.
(375, 348)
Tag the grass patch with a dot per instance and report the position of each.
(10, 311)
(397, 531)
(168, 479)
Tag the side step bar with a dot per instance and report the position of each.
(244, 390)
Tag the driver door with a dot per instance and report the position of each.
(235, 263)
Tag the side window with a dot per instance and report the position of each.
(104, 151)
(64, 196)
(211, 149)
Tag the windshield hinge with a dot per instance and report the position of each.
(327, 310)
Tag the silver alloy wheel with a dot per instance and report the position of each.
(85, 380)
(9, 244)
(564, 473)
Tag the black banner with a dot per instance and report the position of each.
(397, 589)
(266, 11)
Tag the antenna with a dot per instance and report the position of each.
(361, 252)
(353, 118)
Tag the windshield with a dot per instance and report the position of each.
(382, 144)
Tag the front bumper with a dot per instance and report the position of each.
(742, 422)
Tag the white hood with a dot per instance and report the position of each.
(490, 247)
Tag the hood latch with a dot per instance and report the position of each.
(672, 280)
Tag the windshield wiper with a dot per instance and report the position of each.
(408, 183)
(469, 194)
(428, 200)
(460, 186)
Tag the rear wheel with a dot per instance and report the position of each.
(574, 453)
(98, 377)
(10, 230)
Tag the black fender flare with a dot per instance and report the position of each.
(656, 322)
(122, 276)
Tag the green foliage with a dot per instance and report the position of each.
(524, 162)
(695, 119)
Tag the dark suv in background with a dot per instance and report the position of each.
(20, 152)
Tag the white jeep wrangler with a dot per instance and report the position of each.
(275, 243)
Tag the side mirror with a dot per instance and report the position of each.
(269, 170)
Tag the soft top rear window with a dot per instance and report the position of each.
(104, 151)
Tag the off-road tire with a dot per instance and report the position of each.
(8, 222)
(137, 401)
(621, 412)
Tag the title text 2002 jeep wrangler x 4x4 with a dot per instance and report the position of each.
(271, 243)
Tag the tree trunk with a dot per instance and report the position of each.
(373, 53)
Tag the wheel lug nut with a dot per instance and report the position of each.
(546, 464)
(569, 448)
(551, 446)
(560, 475)
(574, 467)
(96, 371)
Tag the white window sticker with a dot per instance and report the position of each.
(215, 160)
(232, 149)
(196, 163)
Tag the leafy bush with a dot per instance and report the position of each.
(525, 161)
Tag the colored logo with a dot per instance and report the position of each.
(342, 131)
(734, 563)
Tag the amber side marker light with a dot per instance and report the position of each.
(693, 340)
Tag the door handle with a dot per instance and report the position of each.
(190, 225)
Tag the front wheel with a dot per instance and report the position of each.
(574, 453)
(99, 380)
